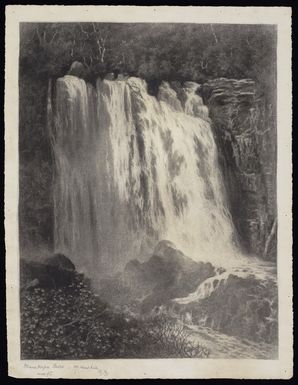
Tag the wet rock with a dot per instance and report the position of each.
(167, 274)
(243, 307)
(245, 131)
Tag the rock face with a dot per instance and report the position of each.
(245, 129)
(56, 271)
(250, 309)
(167, 274)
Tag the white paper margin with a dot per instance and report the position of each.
(152, 368)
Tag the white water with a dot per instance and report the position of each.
(254, 269)
(133, 169)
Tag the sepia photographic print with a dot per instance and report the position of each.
(148, 192)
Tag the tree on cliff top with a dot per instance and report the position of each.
(160, 51)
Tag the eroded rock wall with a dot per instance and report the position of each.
(244, 125)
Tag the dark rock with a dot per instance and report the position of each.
(77, 69)
(55, 271)
(167, 274)
(244, 125)
(110, 76)
(30, 284)
(123, 76)
(244, 307)
(60, 261)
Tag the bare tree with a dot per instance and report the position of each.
(213, 33)
(100, 39)
(97, 38)
(47, 35)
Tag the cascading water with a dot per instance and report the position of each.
(132, 169)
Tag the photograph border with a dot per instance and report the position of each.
(152, 368)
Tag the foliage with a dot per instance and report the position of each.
(72, 323)
(153, 51)
(35, 205)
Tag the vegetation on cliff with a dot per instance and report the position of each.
(152, 51)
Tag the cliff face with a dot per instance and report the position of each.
(245, 130)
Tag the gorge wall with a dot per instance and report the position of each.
(244, 124)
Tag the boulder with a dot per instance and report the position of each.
(123, 76)
(77, 69)
(166, 275)
(60, 261)
(239, 306)
(55, 271)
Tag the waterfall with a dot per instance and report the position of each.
(132, 169)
